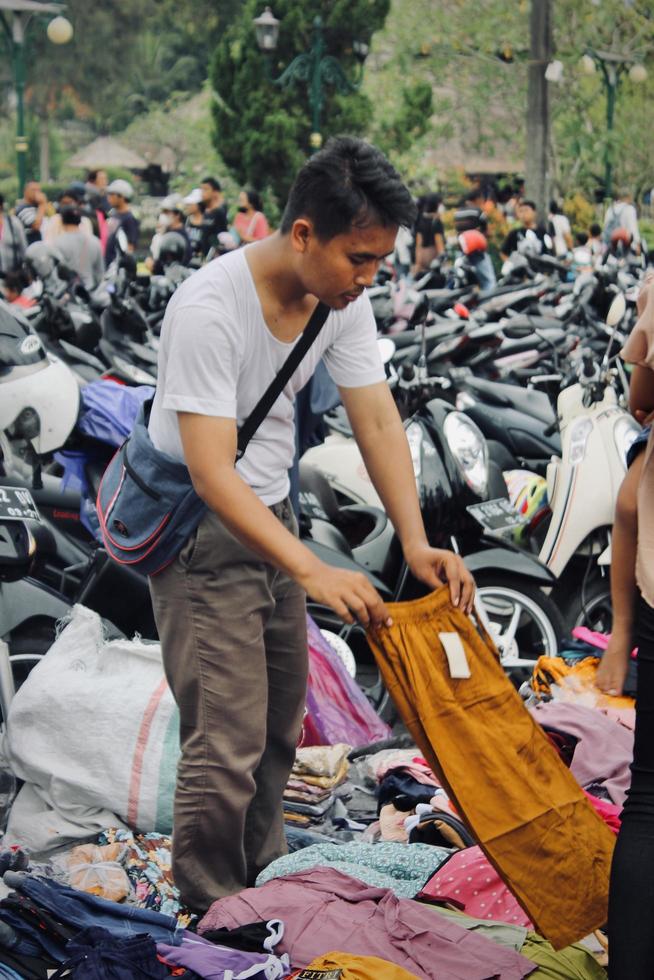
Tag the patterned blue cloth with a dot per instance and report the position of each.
(402, 868)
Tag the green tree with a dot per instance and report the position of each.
(261, 130)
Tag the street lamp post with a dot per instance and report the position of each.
(613, 67)
(315, 68)
(14, 17)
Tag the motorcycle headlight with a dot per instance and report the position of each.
(468, 446)
(625, 432)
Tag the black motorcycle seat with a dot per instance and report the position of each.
(527, 400)
(522, 321)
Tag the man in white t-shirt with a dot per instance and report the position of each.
(230, 609)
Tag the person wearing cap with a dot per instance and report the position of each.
(13, 241)
(215, 212)
(171, 218)
(70, 198)
(194, 207)
(120, 193)
(32, 211)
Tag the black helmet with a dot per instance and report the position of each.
(172, 248)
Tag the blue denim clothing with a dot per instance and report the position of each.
(483, 266)
(96, 954)
(79, 909)
(6, 971)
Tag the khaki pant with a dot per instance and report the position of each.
(234, 642)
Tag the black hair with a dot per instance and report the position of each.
(349, 182)
(212, 182)
(2, 201)
(431, 203)
(71, 192)
(15, 279)
(554, 207)
(92, 176)
(529, 204)
(581, 237)
(70, 215)
(595, 230)
(254, 197)
(473, 194)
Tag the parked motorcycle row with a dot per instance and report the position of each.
(514, 403)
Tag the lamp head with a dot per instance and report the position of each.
(60, 30)
(266, 28)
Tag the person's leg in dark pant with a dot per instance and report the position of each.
(221, 613)
(631, 896)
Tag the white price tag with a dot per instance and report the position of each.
(456, 655)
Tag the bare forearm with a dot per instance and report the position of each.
(254, 524)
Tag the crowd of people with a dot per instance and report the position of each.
(485, 210)
(82, 226)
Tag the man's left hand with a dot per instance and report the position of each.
(433, 566)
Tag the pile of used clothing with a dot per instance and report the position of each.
(317, 781)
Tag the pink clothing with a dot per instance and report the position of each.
(408, 760)
(251, 226)
(323, 909)
(470, 881)
(639, 349)
(609, 812)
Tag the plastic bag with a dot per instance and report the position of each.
(337, 708)
(109, 410)
(96, 870)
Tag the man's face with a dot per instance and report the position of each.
(114, 200)
(31, 192)
(337, 271)
(101, 180)
(526, 214)
(207, 192)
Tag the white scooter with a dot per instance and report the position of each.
(596, 434)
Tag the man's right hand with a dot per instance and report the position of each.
(349, 594)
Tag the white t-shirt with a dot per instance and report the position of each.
(217, 357)
(562, 228)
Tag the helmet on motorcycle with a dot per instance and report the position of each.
(472, 241)
(39, 396)
(620, 237)
(40, 260)
(172, 248)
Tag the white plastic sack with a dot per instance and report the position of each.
(93, 731)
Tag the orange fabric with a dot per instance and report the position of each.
(344, 966)
(577, 683)
(519, 800)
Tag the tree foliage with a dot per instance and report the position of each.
(261, 130)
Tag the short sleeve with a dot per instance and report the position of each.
(353, 359)
(639, 348)
(131, 228)
(202, 363)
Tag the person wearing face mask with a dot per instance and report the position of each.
(250, 223)
(171, 218)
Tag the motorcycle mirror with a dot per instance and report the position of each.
(122, 241)
(420, 311)
(617, 310)
(386, 349)
(547, 239)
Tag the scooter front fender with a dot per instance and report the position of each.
(512, 562)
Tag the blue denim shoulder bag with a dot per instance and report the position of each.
(147, 505)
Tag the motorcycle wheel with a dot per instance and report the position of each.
(525, 623)
(593, 608)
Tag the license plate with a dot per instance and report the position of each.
(17, 504)
(496, 515)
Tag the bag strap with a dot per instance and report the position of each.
(275, 388)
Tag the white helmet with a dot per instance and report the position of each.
(39, 396)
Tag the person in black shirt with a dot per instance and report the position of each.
(528, 216)
(194, 207)
(215, 212)
(119, 193)
(429, 233)
(31, 211)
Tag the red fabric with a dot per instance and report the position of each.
(470, 880)
(609, 812)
